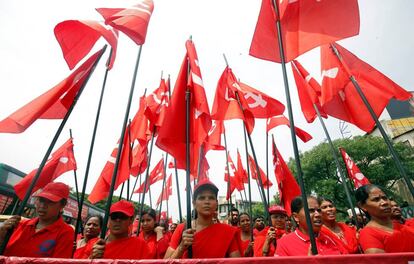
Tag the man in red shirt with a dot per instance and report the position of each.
(119, 244)
(297, 243)
(47, 235)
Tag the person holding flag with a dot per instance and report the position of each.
(45, 236)
(153, 234)
(207, 239)
(246, 246)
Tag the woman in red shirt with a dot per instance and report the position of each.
(245, 235)
(343, 235)
(153, 234)
(381, 234)
(91, 231)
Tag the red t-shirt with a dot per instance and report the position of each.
(53, 241)
(297, 244)
(127, 248)
(156, 248)
(214, 241)
(348, 244)
(260, 239)
(400, 240)
(85, 251)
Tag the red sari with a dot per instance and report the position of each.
(215, 241)
(261, 239)
(156, 248)
(348, 244)
(400, 240)
(85, 251)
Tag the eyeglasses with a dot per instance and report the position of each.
(119, 216)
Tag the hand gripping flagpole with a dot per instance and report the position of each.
(23, 204)
(292, 130)
(120, 145)
(394, 155)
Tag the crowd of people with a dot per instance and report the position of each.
(47, 235)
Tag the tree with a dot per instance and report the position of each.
(371, 155)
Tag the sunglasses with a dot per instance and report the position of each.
(120, 216)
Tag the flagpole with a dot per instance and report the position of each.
(141, 207)
(120, 146)
(229, 201)
(292, 130)
(78, 224)
(187, 153)
(200, 161)
(163, 181)
(384, 135)
(23, 204)
(122, 190)
(248, 181)
(74, 173)
(131, 145)
(135, 183)
(267, 165)
(338, 166)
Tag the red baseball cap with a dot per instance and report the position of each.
(124, 207)
(277, 209)
(203, 185)
(54, 191)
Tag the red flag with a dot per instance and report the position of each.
(157, 174)
(167, 191)
(172, 134)
(340, 98)
(139, 159)
(234, 180)
(306, 24)
(214, 136)
(252, 164)
(309, 91)
(286, 183)
(62, 160)
(132, 21)
(282, 120)
(241, 172)
(157, 102)
(353, 171)
(102, 186)
(225, 106)
(139, 124)
(171, 165)
(77, 37)
(53, 104)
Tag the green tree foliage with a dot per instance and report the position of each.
(371, 155)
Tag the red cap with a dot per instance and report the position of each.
(203, 185)
(277, 209)
(124, 207)
(54, 191)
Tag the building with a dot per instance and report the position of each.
(223, 207)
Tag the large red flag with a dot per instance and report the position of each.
(77, 37)
(132, 21)
(157, 102)
(309, 91)
(62, 160)
(340, 98)
(286, 183)
(214, 136)
(282, 120)
(102, 186)
(157, 174)
(306, 24)
(172, 134)
(167, 191)
(53, 104)
(252, 164)
(353, 171)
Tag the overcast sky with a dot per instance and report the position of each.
(32, 62)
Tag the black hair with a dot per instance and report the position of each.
(362, 193)
(244, 213)
(100, 219)
(63, 202)
(297, 203)
(258, 216)
(233, 209)
(323, 199)
(151, 212)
